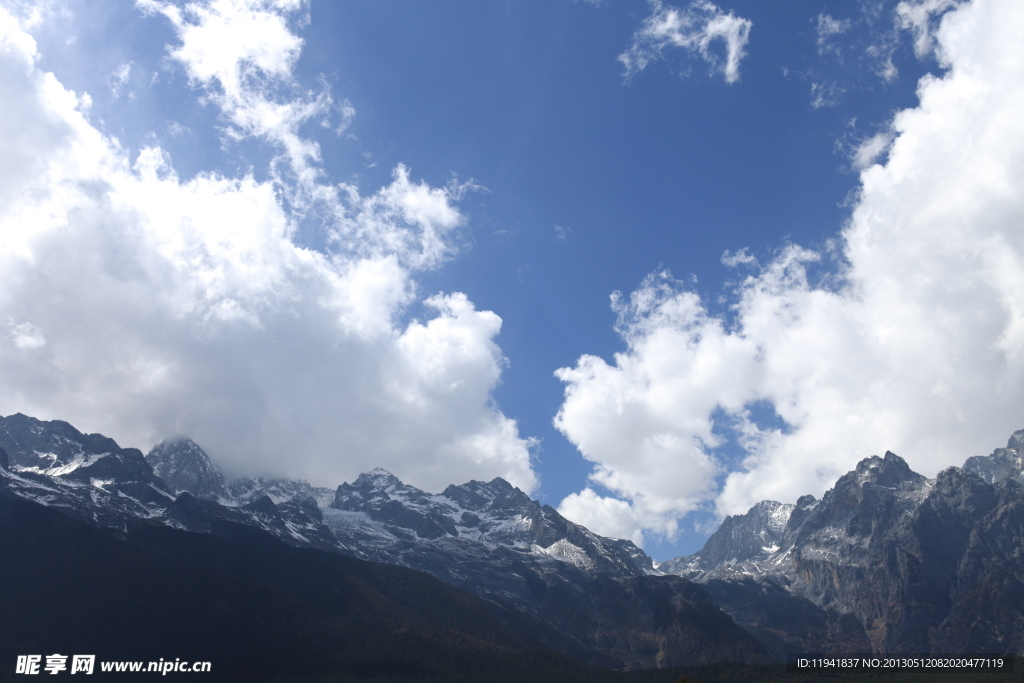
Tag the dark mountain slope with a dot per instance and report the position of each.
(595, 599)
(254, 607)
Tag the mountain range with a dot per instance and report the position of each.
(887, 561)
(552, 583)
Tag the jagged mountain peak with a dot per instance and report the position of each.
(378, 479)
(871, 497)
(176, 442)
(48, 445)
(185, 466)
(753, 535)
(877, 490)
(1003, 463)
(262, 505)
(55, 448)
(496, 494)
(888, 471)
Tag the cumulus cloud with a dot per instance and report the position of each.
(694, 29)
(920, 17)
(913, 342)
(144, 306)
(242, 54)
(616, 518)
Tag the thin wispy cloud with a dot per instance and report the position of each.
(857, 52)
(826, 29)
(701, 29)
(119, 78)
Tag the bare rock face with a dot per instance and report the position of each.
(1003, 463)
(887, 561)
(184, 466)
(752, 536)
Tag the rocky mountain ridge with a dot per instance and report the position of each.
(598, 600)
(886, 561)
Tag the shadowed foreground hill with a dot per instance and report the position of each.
(554, 583)
(254, 607)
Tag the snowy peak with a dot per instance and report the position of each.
(48, 446)
(184, 466)
(864, 502)
(1003, 463)
(1016, 441)
(751, 536)
(482, 515)
(496, 495)
(377, 479)
(56, 449)
(248, 489)
(862, 507)
(889, 472)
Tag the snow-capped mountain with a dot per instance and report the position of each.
(184, 466)
(479, 515)
(596, 599)
(886, 561)
(1003, 463)
(751, 536)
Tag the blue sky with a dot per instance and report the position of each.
(265, 284)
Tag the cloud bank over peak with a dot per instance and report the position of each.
(144, 306)
(908, 335)
(696, 29)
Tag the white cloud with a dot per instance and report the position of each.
(694, 29)
(871, 149)
(915, 343)
(741, 257)
(616, 518)
(920, 18)
(242, 53)
(27, 336)
(873, 35)
(825, 94)
(827, 28)
(119, 78)
(174, 306)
